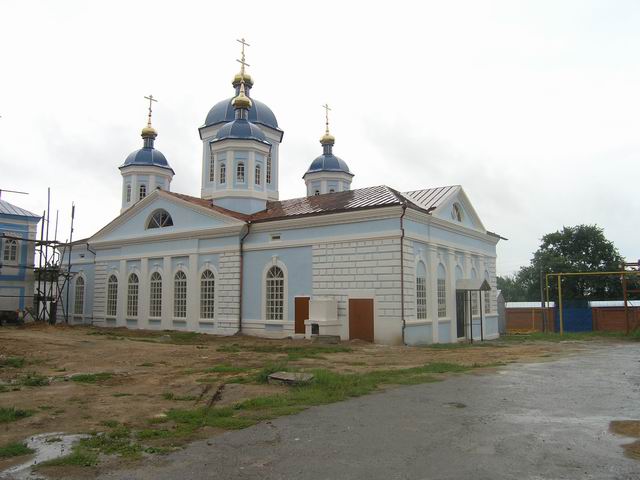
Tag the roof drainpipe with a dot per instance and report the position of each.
(404, 322)
(248, 225)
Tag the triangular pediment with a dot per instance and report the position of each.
(457, 209)
(187, 218)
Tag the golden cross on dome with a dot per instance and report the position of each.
(151, 100)
(326, 115)
(241, 61)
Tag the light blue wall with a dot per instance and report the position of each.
(22, 230)
(444, 332)
(242, 205)
(435, 234)
(418, 334)
(298, 262)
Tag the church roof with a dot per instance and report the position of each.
(223, 111)
(240, 128)
(362, 198)
(7, 208)
(208, 204)
(430, 198)
(328, 163)
(147, 156)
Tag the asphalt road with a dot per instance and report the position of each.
(532, 421)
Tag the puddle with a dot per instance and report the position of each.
(628, 428)
(47, 446)
(455, 405)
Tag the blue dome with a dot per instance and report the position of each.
(224, 112)
(242, 129)
(147, 157)
(329, 163)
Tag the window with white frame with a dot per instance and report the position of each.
(132, 296)
(155, 295)
(442, 292)
(78, 300)
(223, 172)
(10, 253)
(258, 178)
(475, 297)
(142, 191)
(180, 295)
(128, 193)
(269, 169)
(207, 294)
(275, 293)
(160, 219)
(421, 291)
(240, 172)
(112, 296)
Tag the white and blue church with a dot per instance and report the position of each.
(374, 263)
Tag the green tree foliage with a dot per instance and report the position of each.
(582, 248)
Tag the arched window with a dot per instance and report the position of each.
(155, 295)
(212, 169)
(10, 250)
(132, 296)
(258, 174)
(180, 295)
(487, 295)
(223, 173)
(207, 294)
(160, 219)
(442, 292)
(275, 293)
(143, 191)
(78, 300)
(128, 193)
(240, 173)
(421, 291)
(269, 169)
(112, 296)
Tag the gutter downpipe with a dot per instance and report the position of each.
(404, 322)
(248, 225)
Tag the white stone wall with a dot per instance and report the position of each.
(228, 293)
(100, 293)
(363, 269)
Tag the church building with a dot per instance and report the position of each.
(371, 263)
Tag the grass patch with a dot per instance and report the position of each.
(179, 398)
(293, 352)
(34, 380)
(226, 368)
(263, 375)
(12, 414)
(568, 336)
(14, 449)
(455, 346)
(121, 394)
(146, 364)
(12, 362)
(91, 378)
(79, 457)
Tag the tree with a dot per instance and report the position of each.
(582, 248)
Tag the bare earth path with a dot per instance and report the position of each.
(528, 421)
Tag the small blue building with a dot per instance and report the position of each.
(18, 229)
(372, 263)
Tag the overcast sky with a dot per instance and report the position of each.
(533, 107)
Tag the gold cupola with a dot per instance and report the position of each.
(241, 101)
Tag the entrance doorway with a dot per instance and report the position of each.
(361, 319)
(461, 312)
(302, 313)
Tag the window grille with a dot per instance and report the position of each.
(207, 294)
(275, 294)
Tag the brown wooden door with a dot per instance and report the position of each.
(361, 319)
(302, 313)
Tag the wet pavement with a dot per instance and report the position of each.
(529, 421)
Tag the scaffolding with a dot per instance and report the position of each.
(51, 277)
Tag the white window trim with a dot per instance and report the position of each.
(84, 295)
(18, 249)
(173, 296)
(216, 288)
(155, 269)
(115, 273)
(419, 259)
(126, 306)
(275, 261)
(446, 315)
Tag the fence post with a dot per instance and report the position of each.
(560, 304)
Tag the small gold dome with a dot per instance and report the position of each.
(327, 139)
(237, 80)
(149, 131)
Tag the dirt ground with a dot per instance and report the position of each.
(152, 372)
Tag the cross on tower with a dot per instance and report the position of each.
(326, 115)
(241, 61)
(151, 100)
